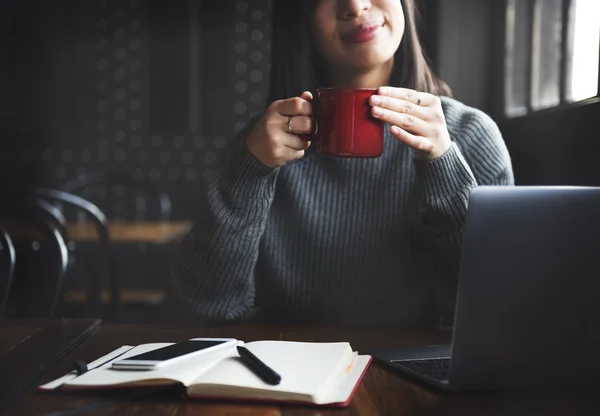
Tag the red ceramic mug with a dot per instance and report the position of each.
(346, 127)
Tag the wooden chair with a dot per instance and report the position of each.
(41, 257)
(104, 273)
(7, 267)
(122, 198)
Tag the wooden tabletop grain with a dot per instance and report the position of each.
(381, 391)
(155, 232)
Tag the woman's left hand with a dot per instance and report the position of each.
(416, 119)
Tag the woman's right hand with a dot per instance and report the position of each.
(271, 141)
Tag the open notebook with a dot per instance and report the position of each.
(316, 373)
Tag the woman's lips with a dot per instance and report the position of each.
(362, 33)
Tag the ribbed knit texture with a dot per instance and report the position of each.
(339, 241)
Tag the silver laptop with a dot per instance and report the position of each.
(528, 305)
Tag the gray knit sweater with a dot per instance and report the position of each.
(338, 241)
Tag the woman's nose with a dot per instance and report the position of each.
(350, 9)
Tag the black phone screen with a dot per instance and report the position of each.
(175, 350)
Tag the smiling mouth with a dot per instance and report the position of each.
(363, 32)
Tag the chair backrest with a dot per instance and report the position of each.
(41, 256)
(97, 218)
(7, 267)
(120, 196)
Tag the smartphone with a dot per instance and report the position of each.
(174, 353)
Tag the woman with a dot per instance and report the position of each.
(303, 238)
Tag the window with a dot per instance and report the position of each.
(552, 51)
(582, 82)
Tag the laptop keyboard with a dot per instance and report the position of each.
(436, 368)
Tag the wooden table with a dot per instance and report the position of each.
(152, 232)
(125, 232)
(30, 348)
(124, 236)
(380, 393)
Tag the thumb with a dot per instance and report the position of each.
(306, 95)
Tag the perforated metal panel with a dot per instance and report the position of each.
(251, 48)
(110, 58)
(119, 85)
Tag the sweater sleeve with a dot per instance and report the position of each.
(477, 156)
(214, 269)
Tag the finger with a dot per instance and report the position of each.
(407, 122)
(307, 95)
(295, 106)
(295, 142)
(400, 105)
(415, 142)
(300, 125)
(419, 98)
(298, 155)
(293, 154)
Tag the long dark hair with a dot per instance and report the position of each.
(296, 66)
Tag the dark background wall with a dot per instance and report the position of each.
(556, 147)
(140, 85)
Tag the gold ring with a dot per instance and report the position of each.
(289, 124)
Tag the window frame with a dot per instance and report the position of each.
(499, 11)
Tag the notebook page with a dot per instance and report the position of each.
(304, 367)
(184, 371)
(342, 388)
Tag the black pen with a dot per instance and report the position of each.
(261, 369)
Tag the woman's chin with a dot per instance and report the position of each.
(368, 65)
(369, 58)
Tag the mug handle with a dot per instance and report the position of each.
(315, 104)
